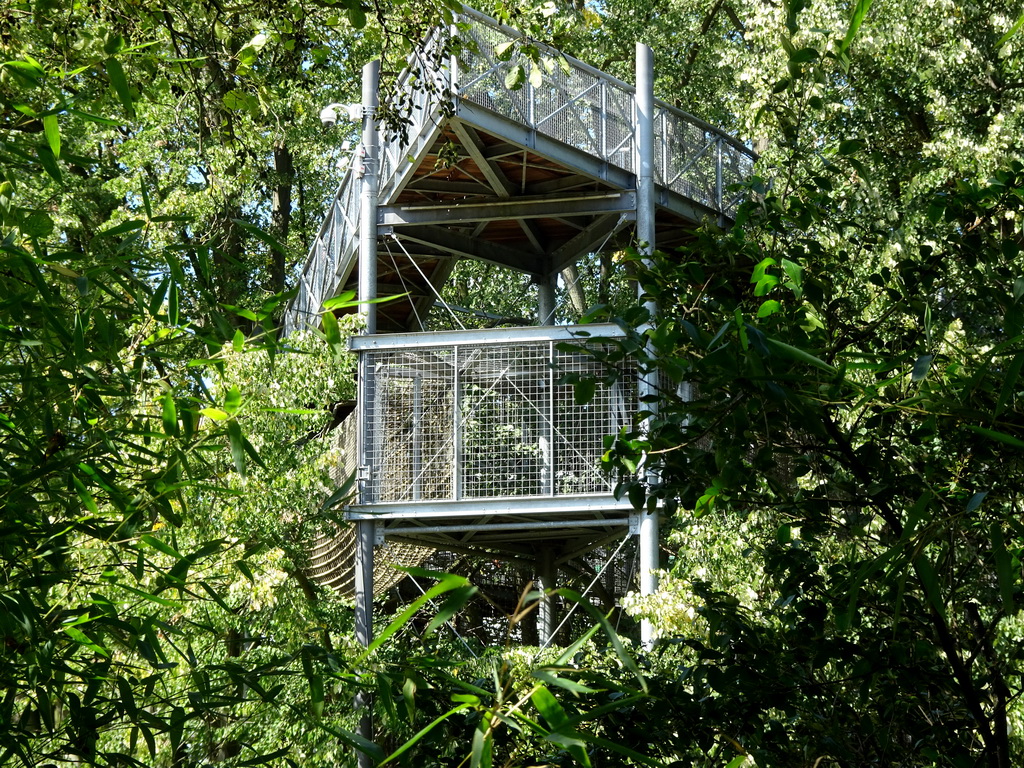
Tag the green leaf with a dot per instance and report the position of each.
(768, 307)
(120, 85)
(331, 331)
(259, 234)
(46, 159)
(584, 390)
(269, 757)
(51, 130)
(1001, 437)
(39, 224)
(172, 304)
(124, 226)
(341, 301)
(561, 682)
(423, 732)
(921, 368)
(790, 352)
(1004, 569)
(245, 570)
(536, 75)
(169, 415)
(454, 602)
(548, 707)
(481, 753)
(1006, 392)
(233, 399)
(850, 146)
(515, 78)
(237, 447)
(859, 12)
(504, 51)
(84, 495)
(609, 631)
(975, 501)
(804, 55)
(930, 583)
(82, 639)
(1013, 31)
(356, 16)
(161, 546)
(446, 583)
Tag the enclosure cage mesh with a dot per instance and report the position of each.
(474, 421)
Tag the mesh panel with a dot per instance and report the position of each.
(577, 107)
(475, 421)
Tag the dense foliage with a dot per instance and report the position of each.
(841, 480)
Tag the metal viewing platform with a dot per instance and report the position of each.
(529, 178)
(480, 441)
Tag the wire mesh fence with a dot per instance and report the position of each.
(486, 420)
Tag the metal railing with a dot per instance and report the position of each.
(578, 105)
(469, 415)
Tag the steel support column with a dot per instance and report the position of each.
(649, 560)
(546, 299)
(365, 529)
(367, 170)
(546, 619)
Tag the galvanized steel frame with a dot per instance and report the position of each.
(695, 163)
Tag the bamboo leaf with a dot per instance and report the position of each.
(1001, 437)
(232, 400)
(1004, 569)
(1009, 383)
(82, 639)
(859, 12)
(119, 83)
(51, 130)
(423, 732)
(794, 353)
(161, 546)
(1013, 31)
(922, 365)
(169, 415)
(237, 449)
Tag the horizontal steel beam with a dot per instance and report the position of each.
(569, 158)
(546, 505)
(411, 530)
(536, 333)
(544, 206)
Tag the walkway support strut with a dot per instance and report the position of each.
(365, 529)
(645, 223)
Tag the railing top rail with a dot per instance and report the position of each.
(528, 334)
(486, 20)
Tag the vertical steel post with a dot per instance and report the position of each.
(546, 285)
(719, 184)
(645, 235)
(546, 610)
(368, 167)
(417, 438)
(546, 299)
(457, 473)
(365, 532)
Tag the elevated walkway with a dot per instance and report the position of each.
(530, 179)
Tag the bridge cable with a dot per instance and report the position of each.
(586, 592)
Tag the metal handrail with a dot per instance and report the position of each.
(603, 126)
